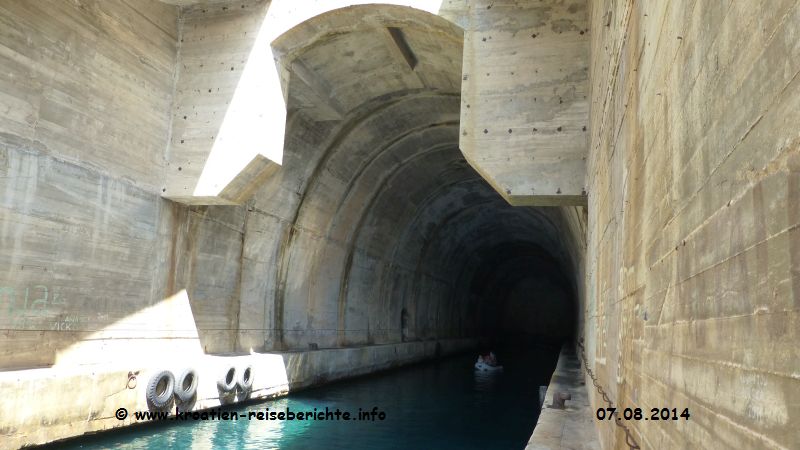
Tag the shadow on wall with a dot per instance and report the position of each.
(227, 121)
(231, 100)
(84, 250)
(87, 249)
(119, 297)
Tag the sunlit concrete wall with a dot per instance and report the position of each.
(85, 98)
(223, 105)
(231, 103)
(693, 261)
(101, 98)
(87, 241)
(366, 235)
(207, 262)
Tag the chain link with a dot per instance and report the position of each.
(629, 440)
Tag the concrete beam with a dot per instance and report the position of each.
(401, 45)
(398, 46)
(525, 113)
(322, 106)
(228, 124)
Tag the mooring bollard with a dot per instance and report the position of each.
(542, 396)
(559, 398)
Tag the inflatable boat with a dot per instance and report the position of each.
(483, 367)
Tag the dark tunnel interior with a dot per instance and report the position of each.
(388, 233)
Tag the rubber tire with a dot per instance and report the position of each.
(227, 383)
(245, 380)
(186, 395)
(162, 401)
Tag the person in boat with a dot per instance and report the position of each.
(489, 359)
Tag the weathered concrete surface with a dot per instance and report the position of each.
(339, 60)
(523, 125)
(693, 260)
(57, 403)
(222, 114)
(233, 89)
(573, 426)
(373, 231)
(524, 94)
(386, 218)
(85, 94)
(376, 231)
(89, 85)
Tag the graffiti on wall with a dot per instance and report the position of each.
(36, 307)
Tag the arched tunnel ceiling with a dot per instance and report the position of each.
(388, 215)
(390, 204)
(523, 110)
(338, 60)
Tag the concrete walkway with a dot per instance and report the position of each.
(572, 427)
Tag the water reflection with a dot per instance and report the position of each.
(485, 381)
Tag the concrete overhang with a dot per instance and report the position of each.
(524, 99)
(524, 88)
(228, 127)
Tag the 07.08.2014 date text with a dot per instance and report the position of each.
(638, 414)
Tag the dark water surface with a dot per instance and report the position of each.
(438, 405)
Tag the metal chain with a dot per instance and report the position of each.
(629, 440)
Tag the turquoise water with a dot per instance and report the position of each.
(438, 405)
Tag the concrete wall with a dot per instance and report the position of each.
(693, 262)
(85, 95)
(87, 241)
(209, 244)
(375, 229)
(220, 104)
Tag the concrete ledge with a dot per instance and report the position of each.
(50, 404)
(572, 427)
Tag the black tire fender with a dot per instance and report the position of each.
(245, 380)
(186, 385)
(227, 381)
(160, 389)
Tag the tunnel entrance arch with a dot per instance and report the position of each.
(380, 216)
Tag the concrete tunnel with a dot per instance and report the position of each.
(393, 218)
(320, 190)
(389, 227)
(365, 242)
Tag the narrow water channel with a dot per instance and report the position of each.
(437, 405)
